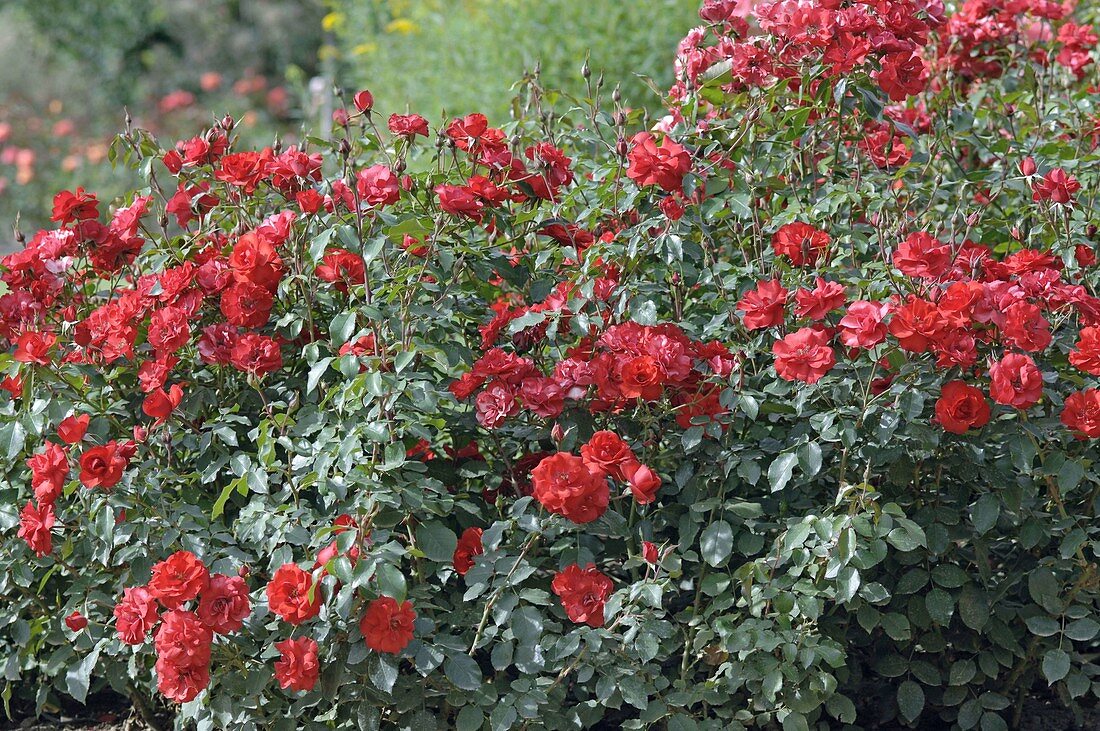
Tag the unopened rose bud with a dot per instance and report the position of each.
(621, 147)
(649, 552)
(228, 123)
(163, 221)
(1016, 233)
(972, 219)
(586, 71)
(1027, 166)
(244, 571)
(557, 433)
(617, 94)
(399, 167)
(1090, 230)
(618, 118)
(76, 621)
(344, 147)
(364, 101)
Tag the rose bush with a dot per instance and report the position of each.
(780, 412)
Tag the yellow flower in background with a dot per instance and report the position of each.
(364, 49)
(334, 21)
(404, 26)
(328, 51)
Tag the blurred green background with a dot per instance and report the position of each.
(69, 71)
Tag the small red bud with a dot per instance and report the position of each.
(76, 621)
(364, 101)
(1027, 166)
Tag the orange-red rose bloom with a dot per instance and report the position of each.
(288, 594)
(388, 626)
(563, 484)
(961, 407)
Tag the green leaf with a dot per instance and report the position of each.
(79, 676)
(463, 671)
(908, 536)
(1055, 665)
(910, 700)
(436, 541)
(1082, 630)
(985, 512)
(1042, 626)
(781, 469)
(382, 671)
(716, 543)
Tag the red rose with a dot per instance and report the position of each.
(103, 466)
(1026, 328)
(800, 242)
(181, 683)
(377, 186)
(495, 404)
(469, 545)
(182, 639)
(364, 102)
(1087, 355)
(288, 594)
(804, 355)
(923, 256)
(1015, 381)
(178, 579)
(169, 330)
(863, 326)
(644, 482)
(388, 626)
(297, 667)
(342, 268)
(135, 615)
(224, 604)
(459, 200)
(32, 347)
(246, 304)
(1056, 186)
(76, 621)
(255, 260)
(916, 324)
(542, 396)
(49, 470)
(606, 452)
(563, 484)
(1081, 414)
(256, 354)
(650, 553)
(79, 206)
(820, 301)
(216, 343)
(245, 169)
(35, 524)
(663, 165)
(640, 377)
(73, 428)
(961, 407)
(763, 306)
(407, 125)
(160, 404)
(583, 593)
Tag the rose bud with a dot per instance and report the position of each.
(649, 552)
(1027, 166)
(76, 621)
(364, 101)
(244, 571)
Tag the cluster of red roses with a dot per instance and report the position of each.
(100, 467)
(627, 364)
(184, 636)
(974, 42)
(884, 39)
(965, 303)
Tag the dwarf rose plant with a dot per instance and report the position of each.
(778, 413)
